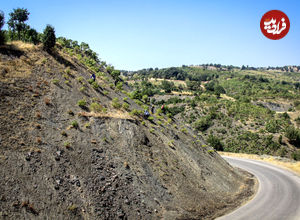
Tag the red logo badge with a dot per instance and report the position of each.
(275, 24)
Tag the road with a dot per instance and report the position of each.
(278, 195)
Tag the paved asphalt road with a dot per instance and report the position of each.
(278, 196)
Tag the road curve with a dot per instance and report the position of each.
(278, 195)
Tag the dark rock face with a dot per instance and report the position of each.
(112, 169)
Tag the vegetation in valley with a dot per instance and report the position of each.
(247, 110)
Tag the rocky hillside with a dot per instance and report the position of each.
(74, 149)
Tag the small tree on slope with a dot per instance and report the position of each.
(49, 38)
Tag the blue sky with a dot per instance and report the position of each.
(162, 33)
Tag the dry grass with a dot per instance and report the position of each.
(38, 115)
(114, 114)
(18, 68)
(176, 82)
(31, 149)
(21, 45)
(47, 101)
(39, 140)
(290, 165)
(182, 93)
(224, 96)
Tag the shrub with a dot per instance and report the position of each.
(175, 110)
(70, 112)
(215, 142)
(81, 103)
(90, 81)
(55, 81)
(49, 38)
(95, 107)
(2, 37)
(285, 115)
(104, 110)
(150, 118)
(119, 86)
(203, 123)
(95, 85)
(138, 102)
(115, 103)
(293, 135)
(210, 151)
(125, 106)
(136, 112)
(296, 155)
(80, 79)
(63, 133)
(297, 120)
(75, 124)
(280, 139)
(145, 98)
(273, 126)
(68, 71)
(183, 130)
(82, 89)
(67, 144)
(105, 92)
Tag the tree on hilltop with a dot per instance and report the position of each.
(17, 21)
(49, 38)
(2, 38)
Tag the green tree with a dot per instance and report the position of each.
(210, 86)
(219, 90)
(293, 135)
(1, 19)
(84, 47)
(215, 142)
(115, 74)
(17, 21)
(49, 38)
(167, 86)
(2, 37)
(202, 123)
(32, 36)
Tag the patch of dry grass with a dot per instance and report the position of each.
(182, 93)
(293, 166)
(21, 45)
(224, 96)
(114, 114)
(176, 82)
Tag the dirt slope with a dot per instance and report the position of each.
(112, 165)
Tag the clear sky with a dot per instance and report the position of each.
(136, 34)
